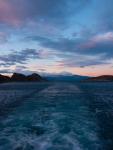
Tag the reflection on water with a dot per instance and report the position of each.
(57, 116)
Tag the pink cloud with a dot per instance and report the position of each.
(103, 37)
(93, 41)
(87, 45)
(8, 13)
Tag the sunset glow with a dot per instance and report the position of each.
(49, 36)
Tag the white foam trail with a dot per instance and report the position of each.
(74, 142)
(56, 89)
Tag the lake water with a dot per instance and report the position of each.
(56, 116)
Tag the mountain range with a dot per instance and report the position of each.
(103, 78)
(66, 77)
(17, 77)
(34, 77)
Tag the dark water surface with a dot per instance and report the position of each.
(56, 116)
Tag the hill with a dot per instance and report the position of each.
(66, 77)
(103, 78)
(4, 78)
(17, 77)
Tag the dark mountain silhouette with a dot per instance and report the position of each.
(103, 78)
(17, 77)
(4, 79)
(34, 77)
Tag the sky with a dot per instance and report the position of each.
(56, 36)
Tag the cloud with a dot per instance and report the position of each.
(96, 49)
(105, 15)
(108, 36)
(61, 44)
(75, 38)
(16, 12)
(93, 45)
(19, 69)
(99, 44)
(20, 57)
(5, 71)
(78, 60)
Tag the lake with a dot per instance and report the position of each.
(56, 116)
